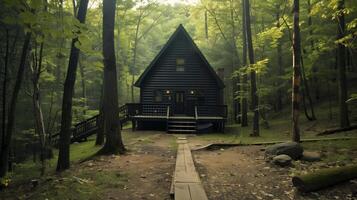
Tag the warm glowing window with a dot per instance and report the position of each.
(180, 65)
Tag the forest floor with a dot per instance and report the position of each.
(145, 171)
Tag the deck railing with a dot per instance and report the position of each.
(212, 110)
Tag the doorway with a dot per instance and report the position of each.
(179, 102)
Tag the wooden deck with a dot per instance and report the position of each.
(186, 182)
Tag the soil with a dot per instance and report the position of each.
(148, 168)
(243, 173)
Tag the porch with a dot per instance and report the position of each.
(196, 116)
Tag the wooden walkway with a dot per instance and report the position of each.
(186, 182)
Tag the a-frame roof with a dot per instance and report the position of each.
(180, 30)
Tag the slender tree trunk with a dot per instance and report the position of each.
(4, 89)
(83, 84)
(279, 98)
(253, 82)
(132, 88)
(100, 132)
(63, 162)
(244, 77)
(235, 63)
(306, 93)
(113, 143)
(36, 69)
(296, 73)
(342, 83)
(5, 148)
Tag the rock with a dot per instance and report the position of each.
(292, 149)
(282, 160)
(311, 156)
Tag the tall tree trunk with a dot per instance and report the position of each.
(4, 89)
(342, 83)
(5, 148)
(244, 77)
(296, 73)
(235, 63)
(63, 162)
(99, 140)
(83, 84)
(306, 93)
(253, 82)
(279, 98)
(113, 143)
(36, 69)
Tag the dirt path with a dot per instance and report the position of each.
(145, 171)
(242, 173)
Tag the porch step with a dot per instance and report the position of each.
(181, 130)
(181, 126)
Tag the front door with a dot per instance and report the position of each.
(179, 102)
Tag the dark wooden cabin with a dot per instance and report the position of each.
(179, 90)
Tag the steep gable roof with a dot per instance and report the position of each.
(182, 30)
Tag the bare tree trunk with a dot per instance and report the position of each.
(113, 143)
(4, 89)
(244, 77)
(83, 84)
(342, 83)
(5, 148)
(63, 162)
(279, 102)
(296, 73)
(100, 132)
(235, 62)
(253, 82)
(36, 69)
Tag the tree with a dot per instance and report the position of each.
(244, 121)
(253, 82)
(113, 143)
(296, 73)
(5, 148)
(341, 53)
(66, 121)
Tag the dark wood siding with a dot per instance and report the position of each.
(195, 77)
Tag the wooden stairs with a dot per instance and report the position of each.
(82, 130)
(181, 126)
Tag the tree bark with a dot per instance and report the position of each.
(84, 88)
(5, 148)
(323, 178)
(279, 102)
(113, 143)
(296, 73)
(63, 162)
(342, 83)
(100, 132)
(253, 82)
(244, 76)
(4, 89)
(36, 69)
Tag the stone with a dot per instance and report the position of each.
(282, 160)
(311, 156)
(292, 149)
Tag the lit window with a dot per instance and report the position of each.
(180, 65)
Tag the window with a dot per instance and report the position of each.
(158, 96)
(180, 65)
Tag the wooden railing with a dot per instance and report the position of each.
(212, 110)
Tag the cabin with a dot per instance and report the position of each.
(179, 90)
